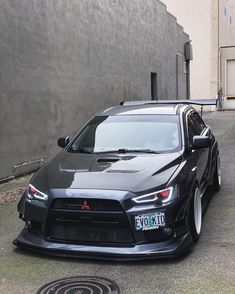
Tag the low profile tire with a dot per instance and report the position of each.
(196, 215)
(217, 175)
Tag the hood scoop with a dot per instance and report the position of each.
(108, 159)
(66, 170)
(122, 171)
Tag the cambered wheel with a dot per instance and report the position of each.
(196, 215)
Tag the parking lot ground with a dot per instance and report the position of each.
(208, 268)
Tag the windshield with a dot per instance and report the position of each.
(133, 133)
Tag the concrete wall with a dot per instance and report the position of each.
(62, 61)
(222, 34)
(211, 25)
(227, 22)
(227, 51)
(195, 17)
(227, 77)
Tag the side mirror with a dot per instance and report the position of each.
(201, 142)
(63, 142)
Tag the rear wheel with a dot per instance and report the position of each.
(196, 215)
(217, 175)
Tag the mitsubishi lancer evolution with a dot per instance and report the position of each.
(131, 184)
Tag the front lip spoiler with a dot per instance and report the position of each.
(168, 249)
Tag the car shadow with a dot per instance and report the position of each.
(209, 194)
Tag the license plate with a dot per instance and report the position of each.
(151, 221)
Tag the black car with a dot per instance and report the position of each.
(129, 185)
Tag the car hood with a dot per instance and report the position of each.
(128, 172)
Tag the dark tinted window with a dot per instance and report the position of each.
(191, 129)
(198, 123)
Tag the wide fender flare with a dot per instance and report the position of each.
(21, 204)
(187, 176)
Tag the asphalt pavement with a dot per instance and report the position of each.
(208, 268)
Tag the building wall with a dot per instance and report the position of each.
(227, 52)
(211, 25)
(194, 16)
(214, 51)
(227, 22)
(227, 74)
(62, 61)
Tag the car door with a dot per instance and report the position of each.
(196, 127)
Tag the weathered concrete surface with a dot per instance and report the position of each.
(15, 184)
(209, 268)
(12, 190)
(62, 61)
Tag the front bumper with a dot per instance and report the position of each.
(167, 249)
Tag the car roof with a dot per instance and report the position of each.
(145, 109)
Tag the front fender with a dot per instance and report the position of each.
(186, 178)
(21, 205)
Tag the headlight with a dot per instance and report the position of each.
(35, 194)
(162, 196)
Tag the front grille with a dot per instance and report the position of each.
(94, 234)
(95, 204)
(98, 226)
(88, 234)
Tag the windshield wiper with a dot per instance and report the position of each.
(124, 150)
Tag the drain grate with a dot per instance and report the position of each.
(80, 285)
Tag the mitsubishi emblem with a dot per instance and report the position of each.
(85, 205)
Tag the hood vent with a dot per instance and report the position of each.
(108, 159)
(115, 171)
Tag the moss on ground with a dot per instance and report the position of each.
(14, 184)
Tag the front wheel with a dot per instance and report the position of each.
(196, 215)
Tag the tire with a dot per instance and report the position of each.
(217, 175)
(196, 215)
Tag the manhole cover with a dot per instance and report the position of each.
(80, 285)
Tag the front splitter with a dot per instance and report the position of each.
(167, 249)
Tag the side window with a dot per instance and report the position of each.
(191, 129)
(198, 123)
